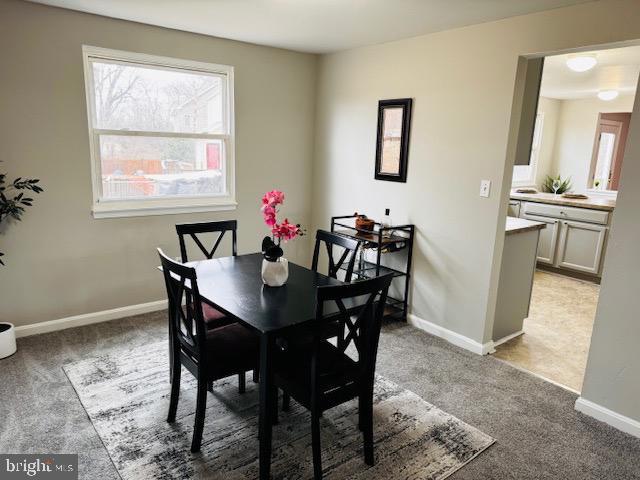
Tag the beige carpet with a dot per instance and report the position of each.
(558, 330)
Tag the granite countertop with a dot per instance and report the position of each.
(596, 203)
(521, 225)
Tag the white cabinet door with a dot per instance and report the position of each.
(581, 246)
(514, 208)
(548, 238)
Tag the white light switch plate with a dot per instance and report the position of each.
(485, 188)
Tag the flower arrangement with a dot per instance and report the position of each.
(279, 231)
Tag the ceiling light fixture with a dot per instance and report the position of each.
(581, 63)
(608, 95)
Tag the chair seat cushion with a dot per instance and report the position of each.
(231, 349)
(214, 318)
(293, 371)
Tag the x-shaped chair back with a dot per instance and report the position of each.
(187, 324)
(361, 328)
(349, 252)
(193, 229)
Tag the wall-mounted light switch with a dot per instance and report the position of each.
(485, 188)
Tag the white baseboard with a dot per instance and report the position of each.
(626, 424)
(507, 338)
(89, 318)
(451, 336)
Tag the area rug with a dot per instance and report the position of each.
(126, 396)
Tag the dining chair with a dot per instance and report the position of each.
(210, 354)
(193, 230)
(324, 376)
(349, 252)
(346, 261)
(213, 318)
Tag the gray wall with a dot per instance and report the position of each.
(613, 369)
(61, 261)
(462, 82)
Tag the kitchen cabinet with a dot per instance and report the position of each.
(581, 246)
(547, 244)
(516, 277)
(574, 239)
(514, 209)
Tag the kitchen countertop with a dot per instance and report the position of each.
(596, 203)
(521, 225)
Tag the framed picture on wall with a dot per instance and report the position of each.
(392, 147)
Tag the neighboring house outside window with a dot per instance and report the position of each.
(525, 175)
(161, 134)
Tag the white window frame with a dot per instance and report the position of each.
(530, 181)
(109, 208)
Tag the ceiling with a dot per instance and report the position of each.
(617, 69)
(316, 26)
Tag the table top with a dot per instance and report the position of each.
(234, 286)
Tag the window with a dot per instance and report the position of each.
(525, 175)
(161, 134)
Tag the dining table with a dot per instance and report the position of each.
(233, 285)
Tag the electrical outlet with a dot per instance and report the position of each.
(485, 188)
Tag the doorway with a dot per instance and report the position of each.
(568, 182)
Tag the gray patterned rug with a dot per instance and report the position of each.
(126, 396)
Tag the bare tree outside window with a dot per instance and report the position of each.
(158, 131)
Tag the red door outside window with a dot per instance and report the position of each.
(213, 156)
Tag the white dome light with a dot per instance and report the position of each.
(581, 63)
(608, 95)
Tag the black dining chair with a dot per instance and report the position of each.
(324, 376)
(212, 317)
(210, 354)
(194, 229)
(349, 252)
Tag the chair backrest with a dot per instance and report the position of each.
(349, 252)
(187, 324)
(193, 229)
(361, 328)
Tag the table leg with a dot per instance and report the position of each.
(266, 407)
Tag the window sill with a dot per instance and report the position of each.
(143, 208)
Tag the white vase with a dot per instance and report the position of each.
(7, 340)
(275, 274)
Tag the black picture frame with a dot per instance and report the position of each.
(387, 172)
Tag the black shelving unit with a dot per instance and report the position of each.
(383, 240)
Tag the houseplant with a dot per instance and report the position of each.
(556, 185)
(12, 198)
(12, 205)
(275, 268)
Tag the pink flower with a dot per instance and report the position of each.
(286, 231)
(273, 198)
(269, 214)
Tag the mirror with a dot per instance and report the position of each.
(392, 146)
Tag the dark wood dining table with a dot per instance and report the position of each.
(234, 286)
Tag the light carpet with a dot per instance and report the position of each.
(125, 394)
